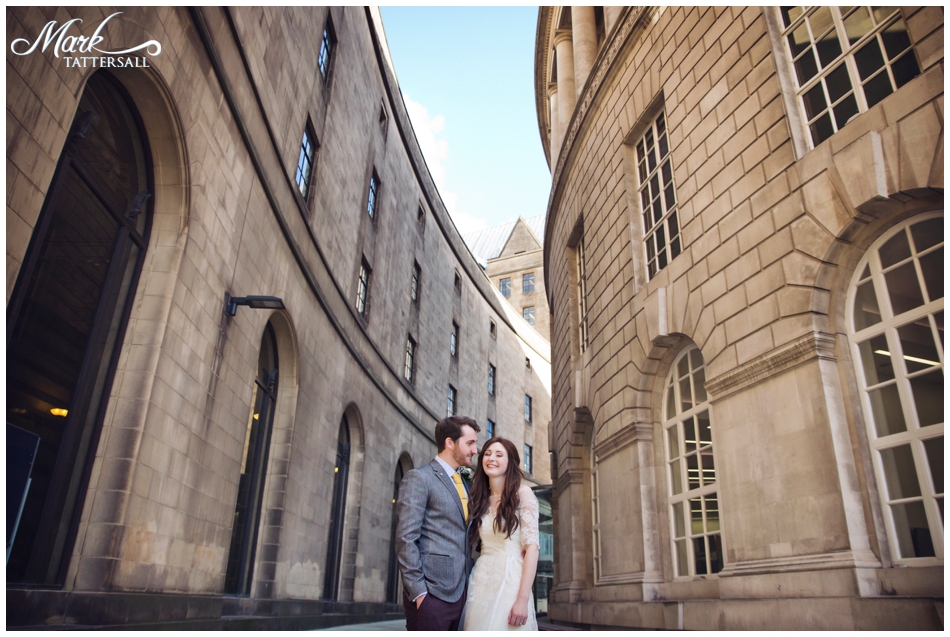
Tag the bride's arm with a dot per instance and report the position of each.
(529, 540)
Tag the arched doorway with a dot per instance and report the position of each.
(247, 510)
(341, 470)
(65, 324)
(393, 588)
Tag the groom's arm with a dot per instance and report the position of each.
(410, 514)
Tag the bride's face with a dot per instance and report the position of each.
(495, 462)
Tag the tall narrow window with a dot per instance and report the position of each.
(327, 46)
(410, 358)
(694, 503)
(595, 516)
(661, 232)
(305, 163)
(527, 408)
(528, 460)
(896, 331)
(341, 472)
(250, 497)
(458, 282)
(492, 329)
(392, 582)
(491, 379)
(489, 429)
(846, 60)
(527, 314)
(454, 340)
(362, 289)
(504, 286)
(415, 283)
(450, 407)
(582, 294)
(66, 323)
(527, 282)
(372, 198)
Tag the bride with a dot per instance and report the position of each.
(504, 518)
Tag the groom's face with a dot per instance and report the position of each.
(466, 447)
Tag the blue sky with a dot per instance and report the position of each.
(467, 76)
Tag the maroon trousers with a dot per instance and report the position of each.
(434, 613)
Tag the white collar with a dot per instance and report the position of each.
(445, 465)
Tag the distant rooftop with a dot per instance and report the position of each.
(488, 243)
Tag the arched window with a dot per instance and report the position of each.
(65, 325)
(250, 499)
(694, 503)
(341, 472)
(895, 324)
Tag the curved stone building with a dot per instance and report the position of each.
(744, 265)
(178, 448)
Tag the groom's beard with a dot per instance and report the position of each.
(462, 458)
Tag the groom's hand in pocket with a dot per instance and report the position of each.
(419, 600)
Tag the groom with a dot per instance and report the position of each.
(432, 530)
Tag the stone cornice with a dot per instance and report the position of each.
(823, 561)
(812, 345)
(623, 439)
(567, 478)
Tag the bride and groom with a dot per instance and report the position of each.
(441, 521)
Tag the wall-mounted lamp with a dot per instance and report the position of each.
(231, 303)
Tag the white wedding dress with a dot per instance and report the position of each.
(496, 578)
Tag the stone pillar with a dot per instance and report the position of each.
(555, 139)
(585, 45)
(566, 97)
(611, 15)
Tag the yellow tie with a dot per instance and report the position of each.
(457, 479)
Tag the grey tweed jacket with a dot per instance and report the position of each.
(431, 534)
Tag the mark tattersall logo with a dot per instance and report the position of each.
(94, 57)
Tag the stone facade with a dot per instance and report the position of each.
(224, 107)
(745, 336)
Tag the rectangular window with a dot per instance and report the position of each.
(504, 286)
(661, 232)
(414, 285)
(527, 408)
(489, 429)
(527, 282)
(326, 49)
(528, 315)
(450, 407)
(491, 379)
(846, 60)
(492, 329)
(528, 461)
(373, 197)
(410, 358)
(458, 282)
(454, 340)
(305, 163)
(362, 288)
(582, 294)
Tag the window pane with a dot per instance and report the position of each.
(869, 59)
(844, 111)
(932, 266)
(682, 559)
(838, 82)
(895, 39)
(857, 25)
(696, 516)
(670, 403)
(928, 397)
(664, 146)
(905, 69)
(699, 547)
(877, 89)
(673, 443)
(699, 385)
(934, 449)
(821, 129)
(866, 310)
(667, 174)
(876, 360)
(686, 396)
(900, 473)
(679, 526)
(790, 14)
(682, 368)
(676, 477)
(882, 13)
(829, 48)
(692, 472)
(715, 553)
(938, 319)
(820, 20)
(917, 343)
(927, 234)
(814, 101)
(913, 532)
(674, 248)
(799, 40)
(689, 435)
(886, 410)
(895, 250)
(712, 513)
(705, 432)
(904, 289)
(708, 466)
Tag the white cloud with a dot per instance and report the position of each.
(435, 149)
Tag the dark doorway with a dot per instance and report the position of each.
(392, 584)
(65, 325)
(250, 499)
(331, 583)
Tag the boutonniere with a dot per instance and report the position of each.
(466, 473)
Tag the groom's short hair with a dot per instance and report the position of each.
(451, 427)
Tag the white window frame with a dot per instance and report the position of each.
(914, 435)
(504, 286)
(662, 193)
(527, 282)
(410, 359)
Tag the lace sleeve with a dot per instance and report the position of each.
(528, 516)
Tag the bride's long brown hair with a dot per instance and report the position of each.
(506, 517)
